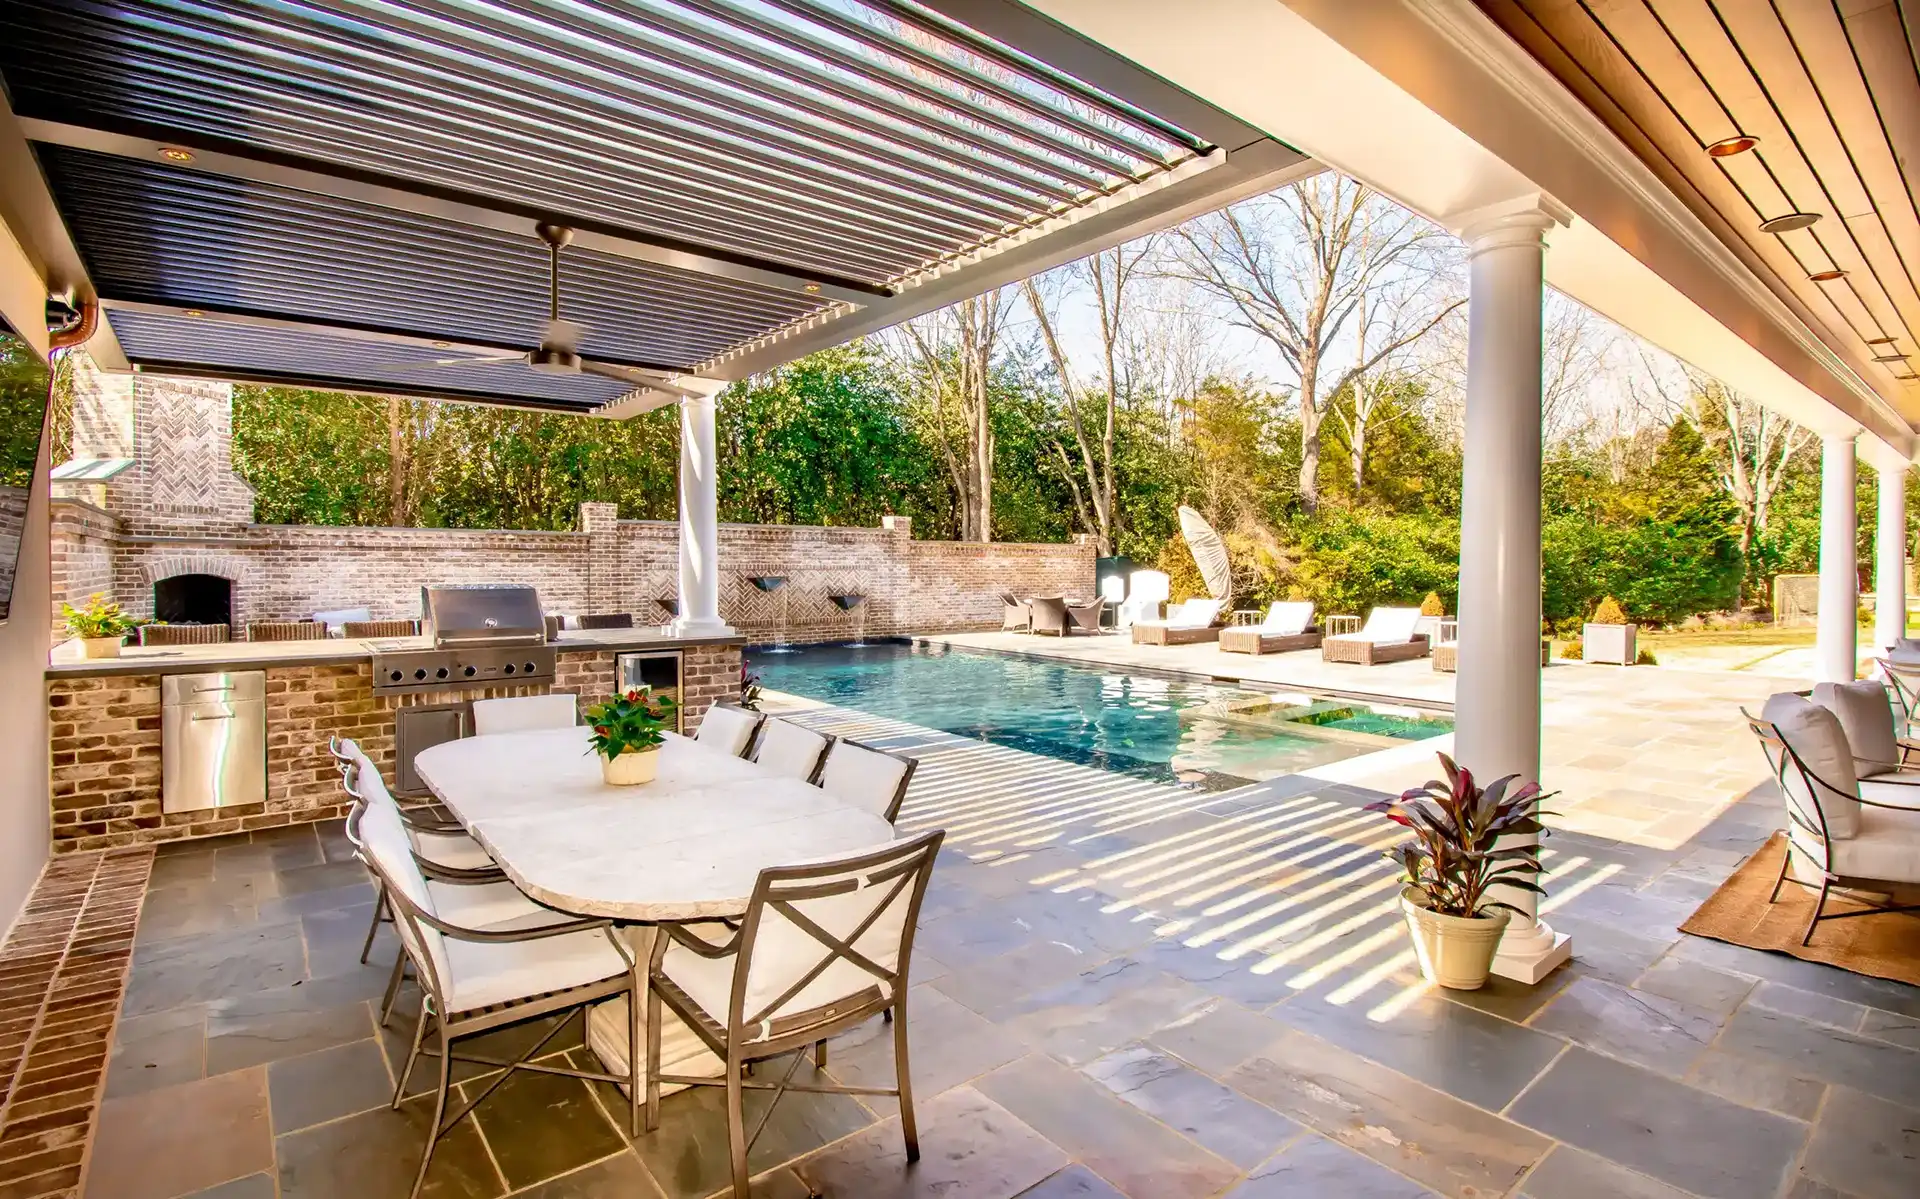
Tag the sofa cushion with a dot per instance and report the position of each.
(1815, 735)
(1886, 848)
(1867, 719)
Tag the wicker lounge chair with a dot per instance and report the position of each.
(382, 628)
(1287, 627)
(286, 630)
(1187, 624)
(1388, 636)
(184, 634)
(1048, 614)
(1015, 616)
(1446, 650)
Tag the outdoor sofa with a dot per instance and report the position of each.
(1186, 624)
(1387, 636)
(1287, 627)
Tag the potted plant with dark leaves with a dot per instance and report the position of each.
(1455, 862)
(100, 627)
(628, 731)
(749, 690)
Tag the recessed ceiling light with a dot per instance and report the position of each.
(1881, 341)
(192, 312)
(1727, 147)
(1789, 222)
(442, 345)
(176, 154)
(811, 287)
(1827, 276)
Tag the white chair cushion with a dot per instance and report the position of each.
(480, 974)
(1866, 716)
(1194, 614)
(1390, 626)
(456, 851)
(1885, 848)
(865, 778)
(383, 838)
(1815, 734)
(1284, 619)
(789, 750)
(524, 713)
(498, 905)
(1894, 789)
(727, 729)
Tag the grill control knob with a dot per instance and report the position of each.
(395, 676)
(509, 668)
(440, 673)
(469, 672)
(529, 668)
(420, 673)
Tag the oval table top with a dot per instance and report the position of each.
(687, 846)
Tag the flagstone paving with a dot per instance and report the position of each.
(1120, 989)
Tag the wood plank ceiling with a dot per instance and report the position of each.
(1829, 92)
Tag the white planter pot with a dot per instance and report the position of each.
(100, 647)
(1455, 952)
(631, 769)
(1609, 643)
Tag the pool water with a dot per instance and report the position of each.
(1167, 729)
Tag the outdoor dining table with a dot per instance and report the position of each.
(688, 846)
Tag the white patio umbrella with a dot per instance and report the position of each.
(1209, 553)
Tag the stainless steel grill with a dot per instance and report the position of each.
(483, 635)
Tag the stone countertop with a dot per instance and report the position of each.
(335, 651)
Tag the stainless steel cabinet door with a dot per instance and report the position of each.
(213, 755)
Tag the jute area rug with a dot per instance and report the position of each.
(1882, 946)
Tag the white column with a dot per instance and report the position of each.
(1837, 638)
(1497, 696)
(699, 515)
(1890, 557)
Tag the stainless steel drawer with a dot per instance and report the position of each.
(213, 740)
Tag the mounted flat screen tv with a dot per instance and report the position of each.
(24, 389)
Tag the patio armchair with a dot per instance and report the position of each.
(286, 630)
(1085, 617)
(1287, 627)
(1387, 636)
(868, 778)
(728, 728)
(184, 634)
(1188, 623)
(480, 979)
(1015, 615)
(525, 713)
(1048, 614)
(821, 949)
(1851, 834)
(1865, 710)
(606, 620)
(790, 750)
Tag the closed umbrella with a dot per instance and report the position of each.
(1209, 553)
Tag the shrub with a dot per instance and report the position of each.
(1572, 651)
(1646, 658)
(1431, 606)
(1609, 611)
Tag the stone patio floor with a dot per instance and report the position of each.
(1121, 988)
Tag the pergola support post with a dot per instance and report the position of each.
(1890, 557)
(699, 514)
(1837, 637)
(1497, 702)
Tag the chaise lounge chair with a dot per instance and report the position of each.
(1186, 624)
(1287, 627)
(1388, 636)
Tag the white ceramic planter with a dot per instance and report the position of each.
(100, 647)
(1455, 952)
(631, 769)
(1609, 643)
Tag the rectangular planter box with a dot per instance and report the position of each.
(1609, 643)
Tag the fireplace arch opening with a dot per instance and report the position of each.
(193, 599)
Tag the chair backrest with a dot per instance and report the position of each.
(342, 616)
(381, 628)
(388, 851)
(1390, 626)
(184, 634)
(727, 728)
(1288, 617)
(867, 778)
(788, 749)
(1866, 717)
(1815, 771)
(286, 630)
(607, 620)
(1149, 586)
(524, 713)
(1194, 614)
(832, 935)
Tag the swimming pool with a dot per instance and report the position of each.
(1169, 729)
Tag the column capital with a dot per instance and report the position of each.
(699, 391)
(1522, 220)
(1838, 440)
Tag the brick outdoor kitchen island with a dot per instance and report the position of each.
(105, 716)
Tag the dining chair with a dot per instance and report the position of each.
(821, 948)
(868, 778)
(790, 750)
(728, 728)
(607, 620)
(479, 979)
(525, 713)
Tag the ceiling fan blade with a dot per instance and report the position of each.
(627, 374)
(438, 362)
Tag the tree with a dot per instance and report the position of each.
(1754, 447)
(1298, 266)
(951, 355)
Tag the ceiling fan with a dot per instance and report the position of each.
(558, 352)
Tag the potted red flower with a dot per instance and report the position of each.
(628, 731)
